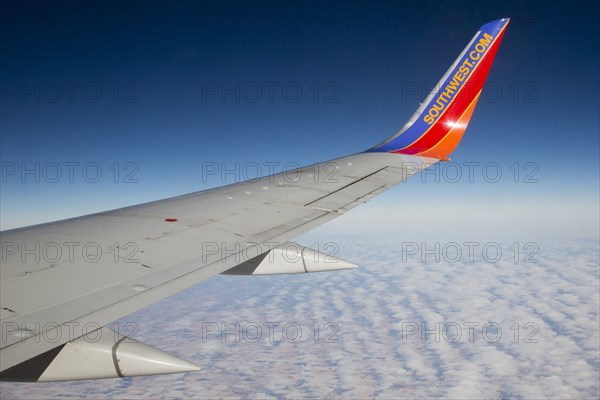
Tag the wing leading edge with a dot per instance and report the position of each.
(48, 307)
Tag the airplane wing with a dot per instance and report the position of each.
(63, 282)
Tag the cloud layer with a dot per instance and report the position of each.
(396, 327)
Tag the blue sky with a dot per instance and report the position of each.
(159, 91)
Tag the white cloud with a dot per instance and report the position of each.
(547, 312)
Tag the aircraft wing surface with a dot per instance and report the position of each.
(62, 281)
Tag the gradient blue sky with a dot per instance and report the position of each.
(140, 74)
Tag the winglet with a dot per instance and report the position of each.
(437, 126)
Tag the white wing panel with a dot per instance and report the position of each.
(40, 298)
